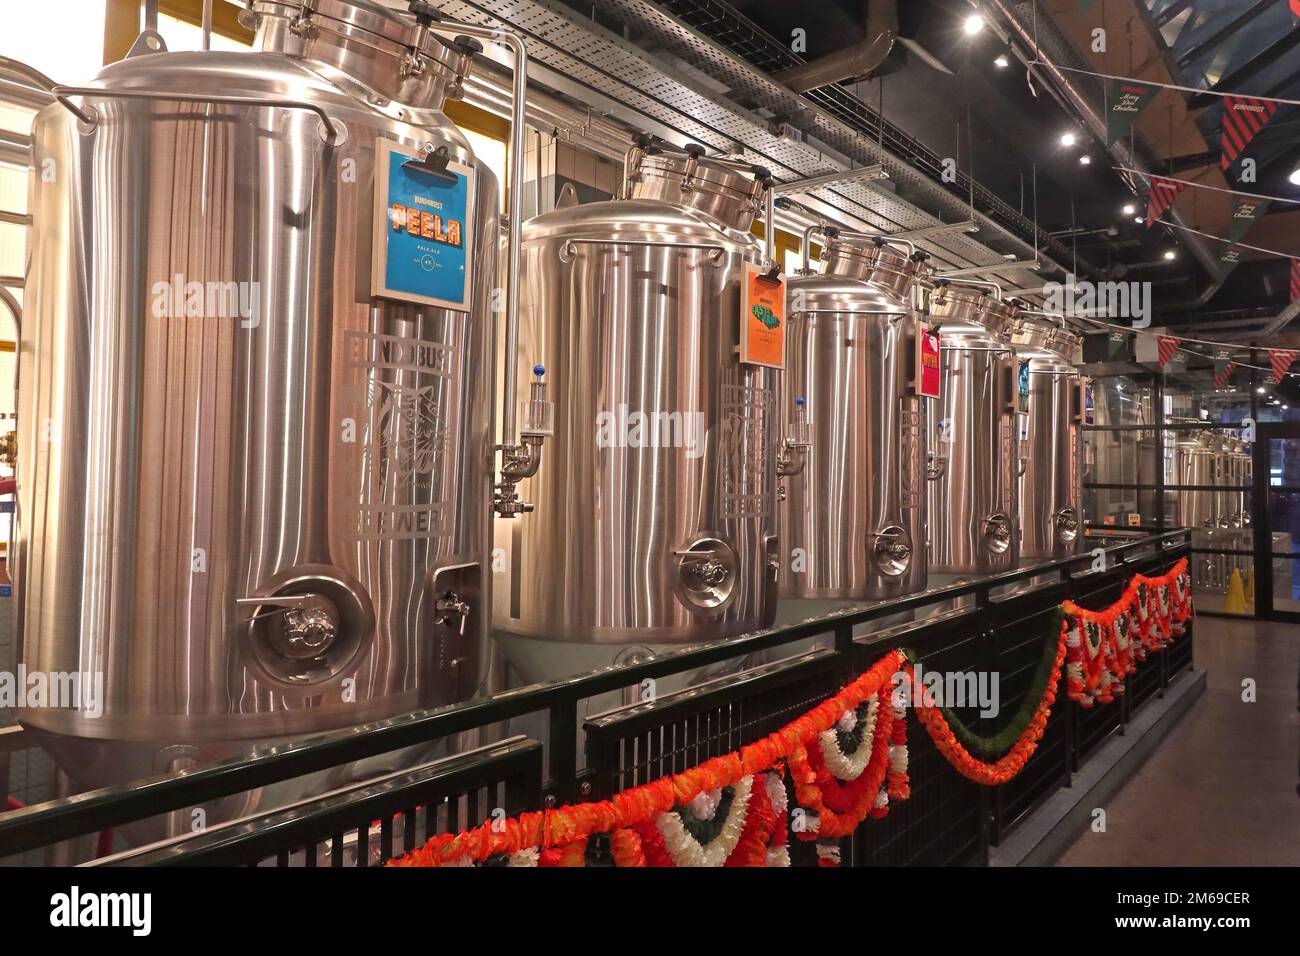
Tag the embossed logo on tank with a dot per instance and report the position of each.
(403, 390)
(743, 451)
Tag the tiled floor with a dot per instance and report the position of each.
(1221, 788)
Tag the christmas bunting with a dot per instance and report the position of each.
(1295, 280)
(1126, 100)
(1161, 197)
(1222, 365)
(1243, 118)
(1281, 361)
(1229, 259)
(1168, 346)
(1246, 211)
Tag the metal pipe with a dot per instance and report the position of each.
(977, 283)
(769, 227)
(514, 208)
(207, 25)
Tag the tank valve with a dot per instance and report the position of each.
(936, 466)
(794, 449)
(997, 528)
(453, 611)
(522, 460)
(9, 449)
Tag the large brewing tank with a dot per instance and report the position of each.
(853, 524)
(1051, 486)
(973, 505)
(278, 521)
(655, 518)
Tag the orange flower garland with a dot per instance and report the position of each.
(559, 837)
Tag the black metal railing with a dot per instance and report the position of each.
(995, 622)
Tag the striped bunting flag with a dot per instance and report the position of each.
(1243, 117)
(1161, 197)
(1168, 346)
(1281, 360)
(1222, 366)
(1295, 280)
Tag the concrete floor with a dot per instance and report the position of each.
(1220, 790)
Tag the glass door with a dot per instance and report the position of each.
(1276, 519)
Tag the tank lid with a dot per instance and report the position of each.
(1038, 333)
(726, 189)
(967, 304)
(872, 260)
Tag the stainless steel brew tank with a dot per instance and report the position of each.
(853, 523)
(1051, 488)
(339, 447)
(663, 533)
(973, 506)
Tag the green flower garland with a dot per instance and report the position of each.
(990, 748)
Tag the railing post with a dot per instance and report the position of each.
(562, 759)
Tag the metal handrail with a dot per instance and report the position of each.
(333, 132)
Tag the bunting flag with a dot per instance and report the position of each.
(1168, 346)
(1243, 118)
(1125, 99)
(1295, 280)
(1281, 361)
(1246, 211)
(1222, 366)
(1161, 197)
(1117, 345)
(1229, 259)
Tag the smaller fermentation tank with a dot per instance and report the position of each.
(1051, 486)
(853, 524)
(974, 503)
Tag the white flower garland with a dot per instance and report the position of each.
(685, 850)
(777, 856)
(705, 804)
(526, 857)
(845, 767)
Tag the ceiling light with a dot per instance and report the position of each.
(1130, 210)
(1139, 220)
(1260, 390)
(1171, 254)
(1002, 62)
(1295, 176)
(1085, 159)
(973, 24)
(1068, 139)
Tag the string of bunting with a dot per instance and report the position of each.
(818, 778)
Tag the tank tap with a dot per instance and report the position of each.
(522, 460)
(9, 449)
(453, 610)
(936, 466)
(794, 449)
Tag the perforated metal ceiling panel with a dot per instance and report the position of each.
(589, 55)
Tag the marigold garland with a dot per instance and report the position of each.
(1097, 648)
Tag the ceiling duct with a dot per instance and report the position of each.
(852, 62)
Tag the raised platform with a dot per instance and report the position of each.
(1049, 831)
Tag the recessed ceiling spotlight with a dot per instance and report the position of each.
(1139, 220)
(1085, 159)
(973, 24)
(1068, 139)
(1295, 176)
(1130, 210)
(1002, 61)
(1171, 254)
(1261, 390)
